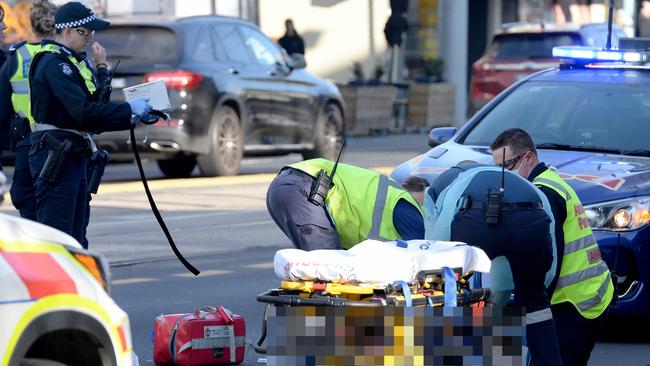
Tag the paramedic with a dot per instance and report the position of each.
(67, 108)
(510, 223)
(361, 204)
(582, 288)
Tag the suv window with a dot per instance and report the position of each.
(203, 49)
(265, 51)
(585, 114)
(233, 44)
(529, 45)
(125, 43)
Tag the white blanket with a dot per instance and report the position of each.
(374, 262)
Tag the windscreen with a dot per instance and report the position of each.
(581, 114)
(140, 47)
(526, 46)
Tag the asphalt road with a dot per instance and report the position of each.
(222, 226)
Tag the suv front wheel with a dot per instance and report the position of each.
(328, 134)
(226, 144)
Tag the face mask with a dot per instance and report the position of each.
(518, 171)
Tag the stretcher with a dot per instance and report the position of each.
(429, 288)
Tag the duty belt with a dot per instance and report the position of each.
(514, 206)
(40, 126)
(294, 171)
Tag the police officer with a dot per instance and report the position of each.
(508, 220)
(67, 108)
(360, 204)
(15, 109)
(582, 288)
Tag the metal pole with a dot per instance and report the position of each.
(608, 45)
(371, 31)
(213, 7)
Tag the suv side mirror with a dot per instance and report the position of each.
(440, 135)
(298, 61)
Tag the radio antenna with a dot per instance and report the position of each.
(503, 170)
(336, 164)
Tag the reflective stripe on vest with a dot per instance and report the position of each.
(20, 82)
(584, 277)
(361, 201)
(380, 203)
(81, 66)
(579, 244)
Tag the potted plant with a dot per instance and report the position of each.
(369, 103)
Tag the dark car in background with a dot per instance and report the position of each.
(520, 49)
(233, 93)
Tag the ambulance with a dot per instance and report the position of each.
(55, 307)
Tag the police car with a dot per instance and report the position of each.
(54, 304)
(590, 119)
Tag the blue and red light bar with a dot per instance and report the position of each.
(588, 54)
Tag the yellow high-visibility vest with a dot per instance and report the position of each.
(361, 201)
(584, 278)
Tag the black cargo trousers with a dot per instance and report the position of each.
(523, 237)
(308, 226)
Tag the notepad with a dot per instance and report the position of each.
(155, 90)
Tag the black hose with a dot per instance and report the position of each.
(154, 208)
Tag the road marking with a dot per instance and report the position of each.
(206, 273)
(130, 281)
(136, 186)
(148, 217)
(266, 265)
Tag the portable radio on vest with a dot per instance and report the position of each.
(323, 183)
(494, 197)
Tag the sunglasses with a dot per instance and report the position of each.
(85, 32)
(512, 163)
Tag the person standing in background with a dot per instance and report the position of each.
(291, 41)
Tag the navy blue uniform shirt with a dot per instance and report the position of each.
(59, 96)
(408, 220)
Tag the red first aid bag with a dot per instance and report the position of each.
(209, 336)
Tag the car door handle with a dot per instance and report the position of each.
(270, 73)
(233, 71)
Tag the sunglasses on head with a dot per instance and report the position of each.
(85, 32)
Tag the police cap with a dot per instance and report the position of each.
(75, 14)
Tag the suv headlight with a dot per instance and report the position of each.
(622, 215)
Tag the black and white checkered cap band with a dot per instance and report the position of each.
(76, 23)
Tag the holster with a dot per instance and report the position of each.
(51, 171)
(20, 130)
(96, 167)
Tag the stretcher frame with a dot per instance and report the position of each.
(426, 290)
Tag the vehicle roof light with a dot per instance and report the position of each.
(587, 54)
(632, 57)
(609, 55)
